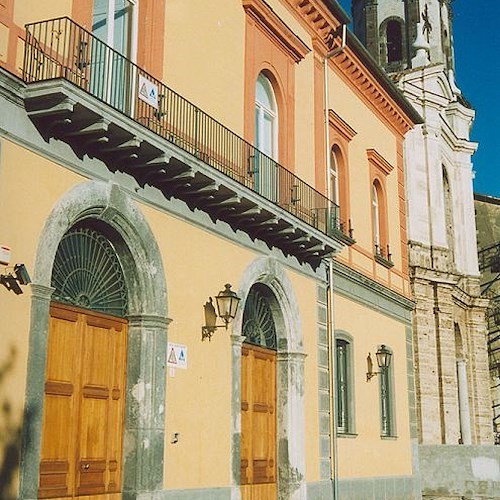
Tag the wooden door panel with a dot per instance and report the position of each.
(258, 424)
(102, 406)
(259, 492)
(58, 422)
(91, 477)
(83, 405)
(53, 478)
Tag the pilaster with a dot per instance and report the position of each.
(480, 396)
(426, 373)
(446, 361)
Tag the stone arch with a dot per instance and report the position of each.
(290, 377)
(107, 205)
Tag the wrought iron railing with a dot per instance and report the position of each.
(60, 48)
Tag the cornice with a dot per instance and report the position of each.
(365, 83)
(265, 16)
(394, 299)
(376, 159)
(456, 144)
(356, 65)
(341, 126)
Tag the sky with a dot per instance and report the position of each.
(477, 72)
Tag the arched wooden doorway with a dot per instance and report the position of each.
(82, 427)
(258, 398)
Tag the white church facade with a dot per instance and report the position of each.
(412, 40)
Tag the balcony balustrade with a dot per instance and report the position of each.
(94, 112)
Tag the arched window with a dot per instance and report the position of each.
(379, 221)
(394, 38)
(266, 117)
(334, 178)
(258, 322)
(266, 139)
(88, 274)
(376, 218)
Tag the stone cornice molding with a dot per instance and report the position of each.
(365, 83)
(41, 291)
(426, 275)
(457, 144)
(464, 299)
(268, 20)
(370, 284)
(288, 356)
(341, 126)
(320, 22)
(148, 321)
(377, 160)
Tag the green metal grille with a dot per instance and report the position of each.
(87, 273)
(258, 322)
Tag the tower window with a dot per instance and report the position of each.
(394, 42)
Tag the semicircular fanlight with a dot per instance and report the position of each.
(258, 322)
(87, 273)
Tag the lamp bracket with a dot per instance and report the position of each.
(208, 331)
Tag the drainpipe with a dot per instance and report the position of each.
(331, 316)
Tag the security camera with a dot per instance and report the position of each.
(22, 275)
(10, 282)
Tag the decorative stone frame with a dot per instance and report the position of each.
(147, 339)
(341, 134)
(380, 168)
(290, 427)
(351, 415)
(273, 49)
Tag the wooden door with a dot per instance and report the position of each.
(258, 423)
(83, 405)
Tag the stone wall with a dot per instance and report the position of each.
(460, 472)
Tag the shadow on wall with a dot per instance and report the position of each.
(10, 435)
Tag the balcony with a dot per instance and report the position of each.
(81, 91)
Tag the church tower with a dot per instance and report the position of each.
(393, 31)
(412, 40)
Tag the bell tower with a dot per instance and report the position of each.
(405, 34)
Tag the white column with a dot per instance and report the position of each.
(463, 402)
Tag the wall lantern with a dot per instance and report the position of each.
(227, 305)
(383, 360)
(12, 281)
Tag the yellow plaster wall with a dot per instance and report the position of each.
(27, 11)
(24, 211)
(197, 264)
(204, 56)
(305, 292)
(304, 121)
(371, 133)
(368, 454)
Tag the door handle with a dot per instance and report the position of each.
(85, 466)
